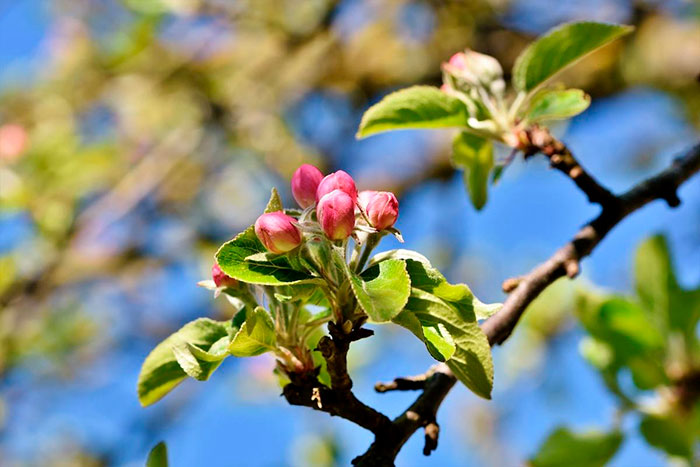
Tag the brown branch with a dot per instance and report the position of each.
(338, 400)
(523, 290)
(407, 383)
(537, 139)
(565, 261)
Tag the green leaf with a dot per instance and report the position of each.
(382, 290)
(245, 258)
(436, 302)
(557, 104)
(474, 154)
(436, 338)
(158, 457)
(238, 259)
(633, 340)
(161, 371)
(256, 336)
(559, 48)
(200, 364)
(565, 448)
(471, 361)
(430, 279)
(414, 107)
(668, 434)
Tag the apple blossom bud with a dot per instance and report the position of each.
(339, 180)
(304, 184)
(363, 198)
(382, 210)
(474, 68)
(336, 214)
(220, 278)
(278, 232)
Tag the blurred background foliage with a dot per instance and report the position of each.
(136, 136)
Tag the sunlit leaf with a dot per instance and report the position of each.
(414, 107)
(256, 336)
(560, 48)
(382, 290)
(557, 104)
(430, 279)
(161, 371)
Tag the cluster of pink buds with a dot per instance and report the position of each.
(338, 206)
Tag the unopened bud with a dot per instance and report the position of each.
(336, 214)
(220, 278)
(382, 210)
(363, 198)
(305, 183)
(278, 232)
(339, 180)
(474, 68)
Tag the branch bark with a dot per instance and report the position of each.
(524, 289)
(338, 400)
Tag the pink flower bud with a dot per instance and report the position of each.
(382, 210)
(339, 180)
(304, 184)
(364, 196)
(220, 278)
(474, 67)
(278, 232)
(336, 214)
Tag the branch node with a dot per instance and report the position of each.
(432, 430)
(672, 199)
(511, 284)
(572, 268)
(402, 384)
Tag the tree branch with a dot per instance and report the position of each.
(524, 289)
(536, 139)
(338, 400)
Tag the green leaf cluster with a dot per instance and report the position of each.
(486, 115)
(652, 337)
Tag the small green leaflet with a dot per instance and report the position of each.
(382, 290)
(566, 448)
(162, 369)
(560, 48)
(158, 457)
(256, 336)
(557, 104)
(474, 154)
(414, 107)
(436, 338)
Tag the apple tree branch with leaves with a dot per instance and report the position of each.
(305, 281)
